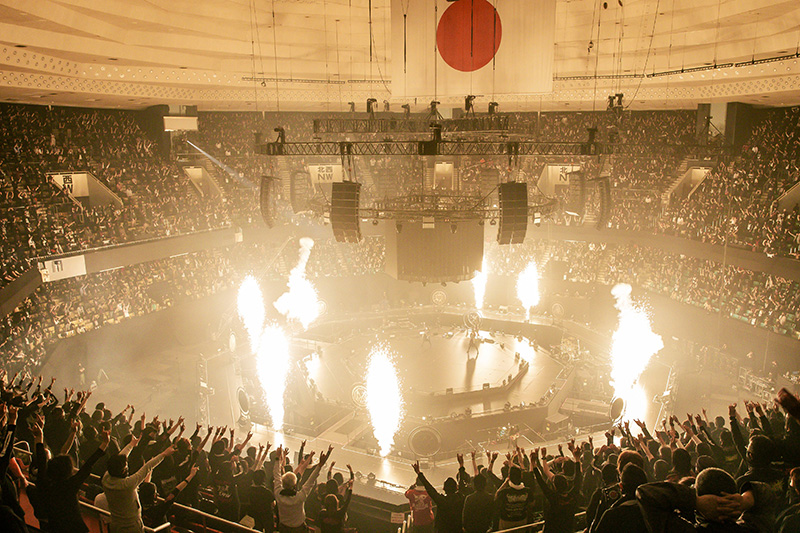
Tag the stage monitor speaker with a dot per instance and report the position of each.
(513, 212)
(344, 211)
(268, 200)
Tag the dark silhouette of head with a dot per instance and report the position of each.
(118, 465)
(60, 467)
(760, 451)
(632, 477)
(515, 475)
(450, 486)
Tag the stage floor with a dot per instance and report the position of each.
(436, 369)
(166, 382)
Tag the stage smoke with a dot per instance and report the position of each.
(528, 288)
(479, 285)
(384, 401)
(300, 302)
(250, 304)
(272, 366)
(633, 344)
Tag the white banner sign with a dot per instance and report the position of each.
(554, 176)
(66, 267)
(326, 173)
(76, 184)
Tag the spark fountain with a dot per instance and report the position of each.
(384, 401)
(300, 303)
(479, 285)
(528, 288)
(250, 304)
(272, 367)
(633, 345)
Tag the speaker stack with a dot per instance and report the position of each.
(513, 212)
(268, 200)
(344, 211)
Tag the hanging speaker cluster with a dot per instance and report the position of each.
(268, 200)
(513, 212)
(344, 211)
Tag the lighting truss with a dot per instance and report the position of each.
(441, 147)
(488, 123)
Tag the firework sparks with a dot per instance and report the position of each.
(528, 288)
(250, 304)
(272, 367)
(633, 344)
(479, 285)
(300, 302)
(384, 401)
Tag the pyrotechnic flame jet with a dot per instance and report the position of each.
(633, 344)
(300, 303)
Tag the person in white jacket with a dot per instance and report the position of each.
(120, 489)
(290, 497)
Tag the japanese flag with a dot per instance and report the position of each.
(485, 47)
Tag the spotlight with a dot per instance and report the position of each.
(386, 105)
(371, 102)
(453, 227)
(375, 222)
(352, 106)
(398, 226)
(406, 110)
(263, 83)
(493, 107)
(493, 222)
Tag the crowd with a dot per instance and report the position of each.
(58, 453)
(154, 198)
(755, 297)
(730, 474)
(733, 473)
(74, 306)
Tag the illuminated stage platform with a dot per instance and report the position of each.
(165, 379)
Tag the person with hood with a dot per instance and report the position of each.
(478, 508)
(626, 509)
(450, 505)
(562, 498)
(713, 505)
(513, 500)
(289, 496)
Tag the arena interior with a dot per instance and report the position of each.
(400, 266)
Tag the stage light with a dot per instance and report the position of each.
(398, 226)
(352, 106)
(493, 222)
(375, 222)
(453, 227)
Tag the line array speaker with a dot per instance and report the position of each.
(344, 211)
(513, 212)
(268, 200)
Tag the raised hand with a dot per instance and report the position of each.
(415, 466)
(732, 409)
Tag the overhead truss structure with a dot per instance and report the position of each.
(472, 124)
(444, 147)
